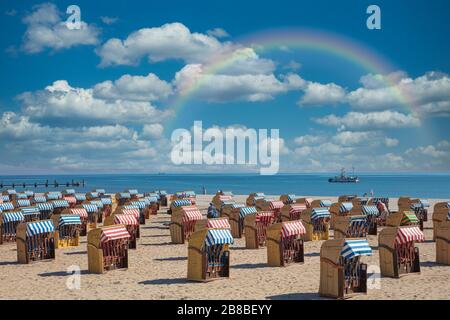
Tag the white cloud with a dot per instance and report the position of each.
(218, 33)
(309, 139)
(351, 138)
(391, 142)
(46, 29)
(221, 87)
(60, 100)
(170, 41)
(322, 94)
(292, 65)
(154, 130)
(139, 88)
(427, 95)
(370, 120)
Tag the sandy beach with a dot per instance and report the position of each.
(158, 270)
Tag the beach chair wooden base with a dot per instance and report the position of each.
(65, 243)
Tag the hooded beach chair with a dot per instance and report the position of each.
(292, 211)
(285, 243)
(317, 223)
(219, 200)
(130, 223)
(82, 213)
(134, 193)
(271, 205)
(107, 205)
(59, 205)
(350, 227)
(93, 195)
(342, 273)
(101, 192)
(35, 241)
(442, 239)
(8, 225)
(419, 206)
(162, 197)
(288, 198)
(182, 223)
(376, 200)
(19, 196)
(398, 254)
(122, 198)
(132, 211)
(255, 228)
(67, 230)
(237, 217)
(212, 223)
(402, 218)
(7, 207)
(251, 199)
(100, 207)
(441, 213)
(107, 248)
(71, 200)
(31, 213)
(209, 254)
(339, 209)
(320, 203)
(178, 203)
(53, 195)
(92, 211)
(306, 201)
(9, 193)
(20, 203)
(46, 209)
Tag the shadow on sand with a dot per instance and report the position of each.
(60, 273)
(297, 296)
(250, 266)
(171, 259)
(165, 281)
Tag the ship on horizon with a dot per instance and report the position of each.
(343, 178)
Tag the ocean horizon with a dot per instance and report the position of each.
(424, 185)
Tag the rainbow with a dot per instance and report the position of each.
(300, 38)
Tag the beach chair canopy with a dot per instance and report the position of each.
(93, 195)
(221, 223)
(152, 199)
(236, 205)
(358, 247)
(259, 194)
(131, 211)
(39, 227)
(276, 204)
(291, 198)
(125, 219)
(53, 195)
(218, 236)
(130, 206)
(13, 217)
(60, 204)
(227, 202)
(80, 197)
(139, 204)
(70, 199)
(181, 203)
(318, 213)
(79, 211)
(39, 199)
(357, 222)
(101, 191)
(298, 207)
(132, 192)
(97, 203)
(23, 203)
(69, 192)
(69, 219)
(227, 193)
(409, 217)
(114, 233)
(325, 203)
(29, 193)
(30, 210)
(189, 193)
(4, 198)
(162, 192)
(124, 195)
(380, 199)
(191, 213)
(152, 194)
(345, 207)
(246, 211)
(6, 206)
(21, 196)
(257, 198)
(11, 191)
(106, 200)
(370, 210)
(292, 228)
(409, 234)
(90, 208)
(46, 206)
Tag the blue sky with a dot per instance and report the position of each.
(101, 99)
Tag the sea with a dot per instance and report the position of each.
(382, 185)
